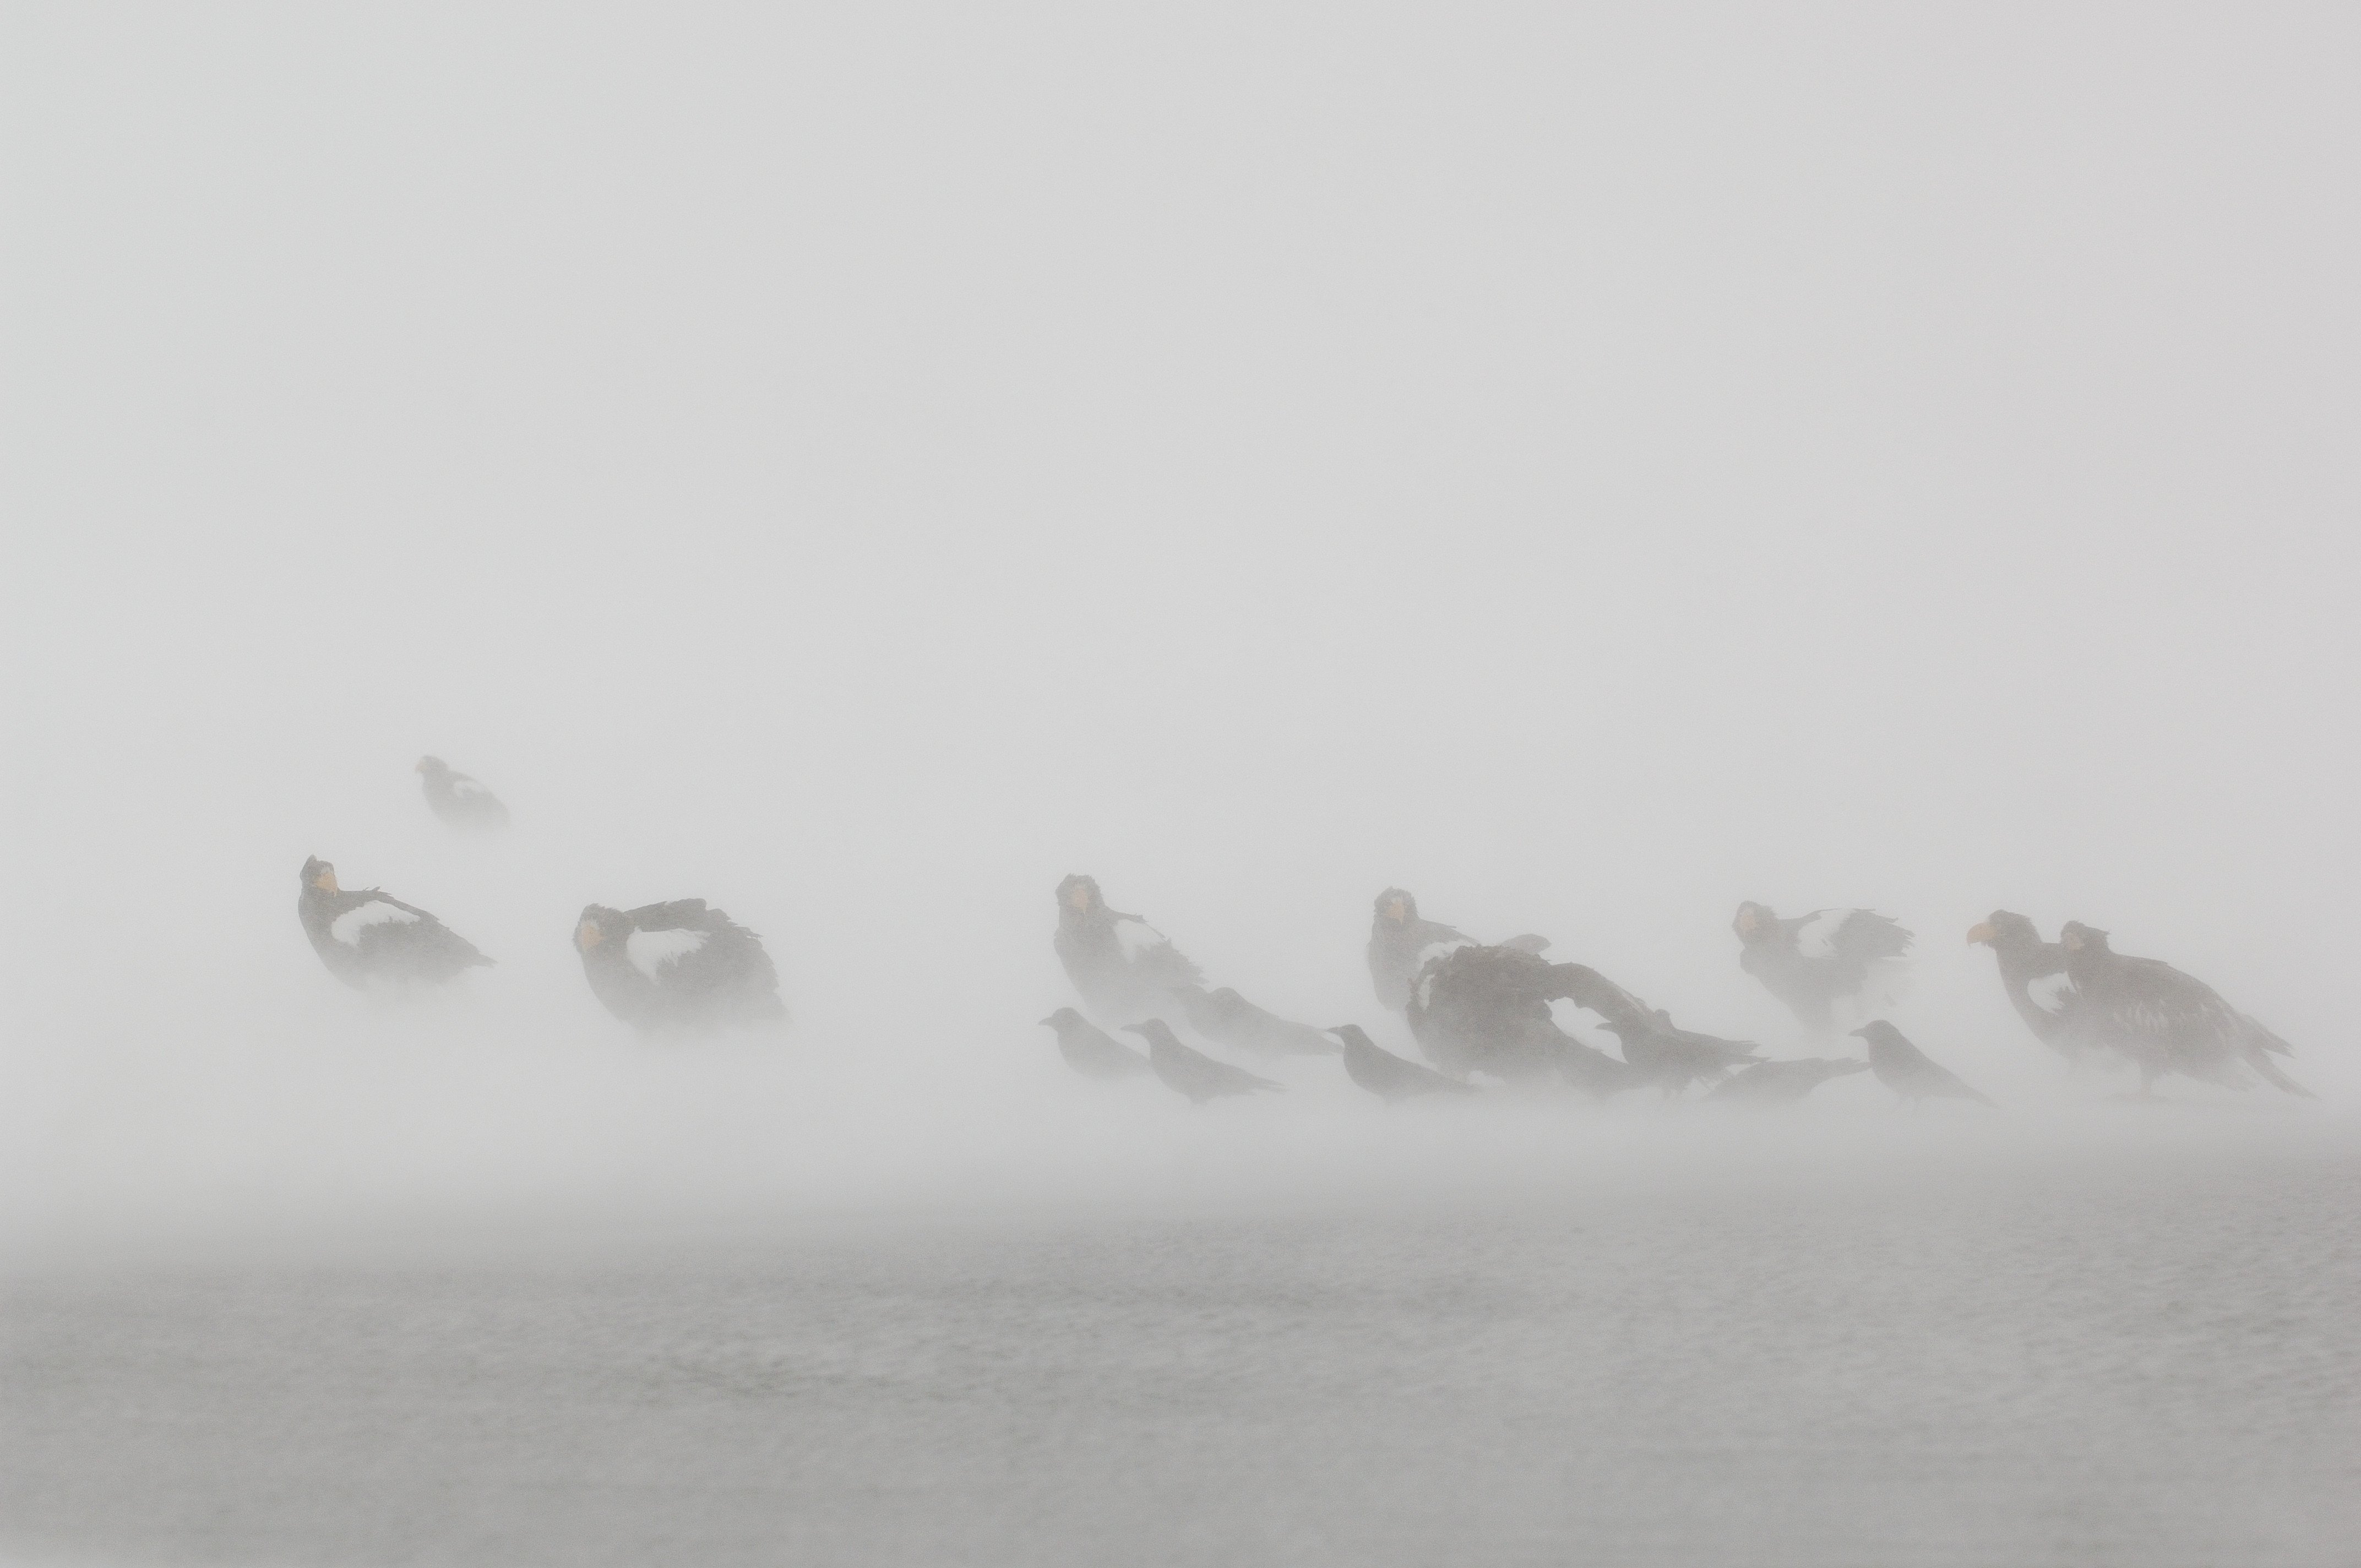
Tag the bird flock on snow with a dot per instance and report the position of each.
(1474, 1010)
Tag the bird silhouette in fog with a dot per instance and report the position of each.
(1824, 964)
(372, 935)
(1388, 1076)
(2166, 1021)
(457, 799)
(1909, 1072)
(677, 966)
(1401, 943)
(1479, 1008)
(1673, 1059)
(1778, 1082)
(1121, 964)
(1193, 1072)
(1091, 1050)
(2033, 974)
(1228, 1019)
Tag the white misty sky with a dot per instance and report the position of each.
(1589, 465)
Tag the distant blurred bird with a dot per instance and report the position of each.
(1091, 1050)
(457, 799)
(1121, 964)
(1388, 1076)
(1401, 943)
(2032, 973)
(1673, 1059)
(1193, 1072)
(2166, 1021)
(1479, 1009)
(1778, 1082)
(678, 965)
(1228, 1019)
(1828, 964)
(371, 935)
(1909, 1072)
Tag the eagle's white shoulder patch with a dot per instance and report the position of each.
(347, 928)
(652, 952)
(1138, 936)
(1816, 937)
(2051, 993)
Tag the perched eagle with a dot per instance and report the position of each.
(678, 965)
(457, 799)
(2166, 1021)
(1122, 966)
(371, 936)
(1401, 943)
(2032, 973)
(1830, 965)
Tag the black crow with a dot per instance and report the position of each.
(1091, 1050)
(1829, 963)
(457, 799)
(1121, 964)
(1673, 1059)
(1401, 943)
(1193, 1072)
(1388, 1076)
(1228, 1019)
(1909, 1072)
(678, 965)
(2166, 1021)
(2032, 973)
(1477, 1009)
(1781, 1082)
(371, 935)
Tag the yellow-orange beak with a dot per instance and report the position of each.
(1982, 931)
(1080, 898)
(2073, 943)
(587, 934)
(325, 882)
(1395, 911)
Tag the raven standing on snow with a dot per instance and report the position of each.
(457, 799)
(1388, 1076)
(2164, 1020)
(367, 936)
(1783, 1082)
(1909, 1072)
(1091, 1050)
(676, 965)
(1121, 964)
(1674, 1059)
(2034, 975)
(1193, 1072)
(1824, 963)
(1228, 1019)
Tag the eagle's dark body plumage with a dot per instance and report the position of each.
(679, 965)
(2033, 975)
(372, 935)
(1388, 1076)
(461, 801)
(1826, 965)
(1479, 1009)
(1091, 1050)
(1123, 968)
(1188, 1072)
(2166, 1021)
(1227, 1018)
